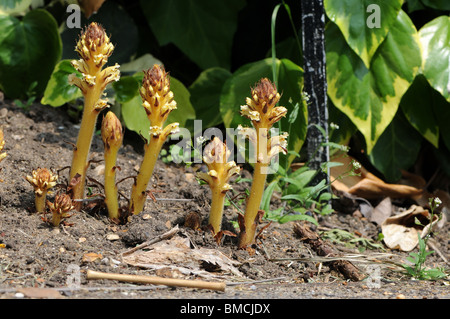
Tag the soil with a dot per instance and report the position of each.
(280, 266)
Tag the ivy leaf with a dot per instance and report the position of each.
(58, 90)
(370, 97)
(14, 6)
(205, 95)
(416, 105)
(29, 51)
(201, 29)
(397, 148)
(351, 17)
(435, 41)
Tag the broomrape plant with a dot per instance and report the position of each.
(112, 136)
(42, 180)
(158, 102)
(261, 109)
(94, 48)
(60, 208)
(220, 172)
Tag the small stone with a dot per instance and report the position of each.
(81, 240)
(400, 296)
(19, 295)
(112, 237)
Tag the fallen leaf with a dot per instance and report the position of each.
(401, 231)
(381, 212)
(367, 185)
(176, 253)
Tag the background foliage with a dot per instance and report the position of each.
(388, 87)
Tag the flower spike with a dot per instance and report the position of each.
(158, 102)
(42, 180)
(261, 109)
(94, 48)
(216, 156)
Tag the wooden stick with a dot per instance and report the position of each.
(157, 280)
(345, 267)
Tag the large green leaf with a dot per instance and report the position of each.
(14, 6)
(435, 41)
(351, 17)
(397, 149)
(290, 85)
(205, 95)
(370, 97)
(418, 104)
(437, 4)
(58, 90)
(29, 51)
(201, 29)
(133, 113)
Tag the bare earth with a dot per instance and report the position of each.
(33, 254)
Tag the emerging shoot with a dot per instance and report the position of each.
(158, 103)
(263, 113)
(112, 136)
(42, 180)
(94, 49)
(60, 208)
(218, 176)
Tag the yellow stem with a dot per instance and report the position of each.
(216, 213)
(253, 204)
(40, 202)
(81, 153)
(138, 193)
(111, 195)
(56, 219)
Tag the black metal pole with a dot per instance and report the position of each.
(315, 83)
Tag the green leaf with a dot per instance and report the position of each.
(435, 41)
(294, 217)
(205, 95)
(134, 115)
(416, 105)
(126, 88)
(267, 196)
(58, 90)
(396, 149)
(29, 51)
(437, 4)
(201, 29)
(353, 18)
(14, 6)
(370, 97)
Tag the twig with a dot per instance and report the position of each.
(220, 286)
(152, 241)
(345, 267)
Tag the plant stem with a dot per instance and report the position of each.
(111, 194)
(81, 152)
(254, 201)
(40, 202)
(138, 193)
(217, 203)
